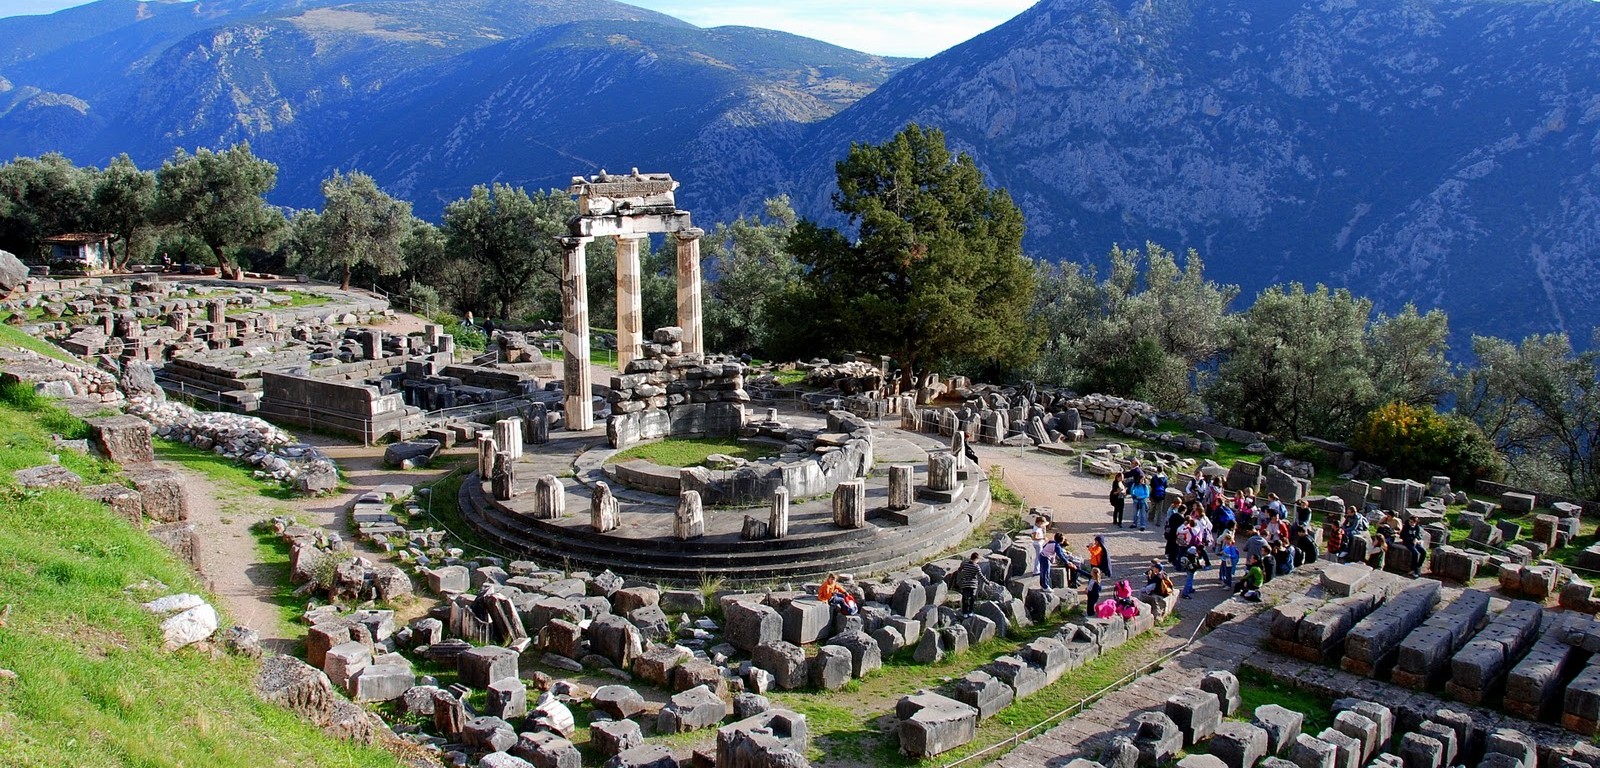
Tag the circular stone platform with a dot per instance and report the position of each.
(643, 545)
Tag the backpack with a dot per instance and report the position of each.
(1164, 586)
(1158, 487)
(850, 607)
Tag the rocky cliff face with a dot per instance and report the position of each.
(1446, 153)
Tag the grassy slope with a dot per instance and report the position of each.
(94, 687)
(12, 336)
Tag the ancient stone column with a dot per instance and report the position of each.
(900, 488)
(850, 504)
(575, 334)
(1439, 485)
(433, 333)
(690, 522)
(372, 344)
(941, 472)
(603, 509)
(487, 448)
(549, 499)
(508, 435)
(539, 425)
(630, 307)
(958, 449)
(179, 320)
(689, 290)
(778, 523)
(1394, 495)
(503, 480)
(218, 311)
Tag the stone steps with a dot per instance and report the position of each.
(861, 551)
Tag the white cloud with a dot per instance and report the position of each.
(886, 27)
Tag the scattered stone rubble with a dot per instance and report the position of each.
(58, 378)
(247, 439)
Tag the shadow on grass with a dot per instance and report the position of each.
(273, 571)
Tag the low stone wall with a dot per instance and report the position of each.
(754, 484)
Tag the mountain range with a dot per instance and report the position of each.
(1442, 152)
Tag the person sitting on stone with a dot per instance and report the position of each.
(1302, 513)
(1305, 546)
(1333, 537)
(1249, 587)
(1378, 551)
(835, 595)
(1411, 538)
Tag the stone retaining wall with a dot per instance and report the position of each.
(666, 393)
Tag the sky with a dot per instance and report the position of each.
(918, 28)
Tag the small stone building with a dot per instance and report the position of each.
(89, 252)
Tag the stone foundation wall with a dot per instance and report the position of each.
(356, 410)
(666, 393)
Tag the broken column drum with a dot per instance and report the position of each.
(603, 509)
(503, 481)
(850, 504)
(508, 436)
(549, 498)
(487, 448)
(691, 521)
(538, 427)
(900, 487)
(941, 472)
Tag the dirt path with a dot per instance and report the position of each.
(229, 560)
(1083, 511)
(232, 564)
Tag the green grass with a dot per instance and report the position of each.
(12, 336)
(27, 423)
(237, 478)
(93, 685)
(789, 378)
(445, 513)
(693, 452)
(272, 557)
(857, 728)
(1256, 689)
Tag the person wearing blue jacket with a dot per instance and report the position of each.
(1140, 492)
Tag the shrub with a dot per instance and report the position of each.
(466, 336)
(1304, 452)
(1414, 442)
